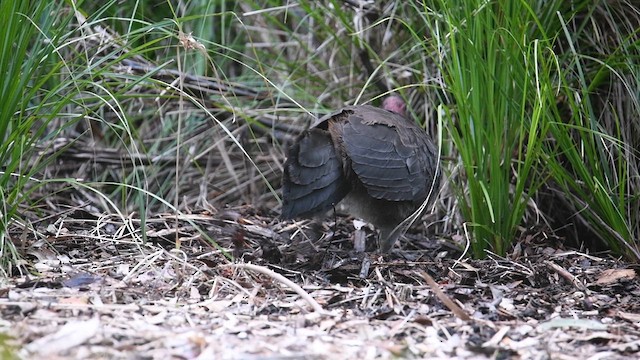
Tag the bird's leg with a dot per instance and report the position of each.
(387, 238)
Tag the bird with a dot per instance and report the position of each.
(375, 162)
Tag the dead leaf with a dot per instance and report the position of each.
(610, 276)
(72, 334)
(560, 322)
(75, 300)
(632, 317)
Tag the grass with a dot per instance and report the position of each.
(596, 160)
(489, 64)
(31, 97)
(195, 104)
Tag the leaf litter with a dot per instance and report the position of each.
(299, 290)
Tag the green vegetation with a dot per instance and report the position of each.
(536, 104)
(32, 98)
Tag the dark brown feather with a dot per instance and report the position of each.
(382, 164)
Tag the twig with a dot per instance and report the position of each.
(457, 310)
(297, 289)
(565, 274)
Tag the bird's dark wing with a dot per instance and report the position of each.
(313, 179)
(387, 153)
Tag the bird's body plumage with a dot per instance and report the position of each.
(382, 164)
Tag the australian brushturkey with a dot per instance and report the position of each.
(381, 165)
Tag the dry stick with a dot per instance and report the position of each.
(297, 289)
(565, 274)
(457, 310)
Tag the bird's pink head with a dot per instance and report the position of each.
(395, 104)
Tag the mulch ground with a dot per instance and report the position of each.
(104, 287)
